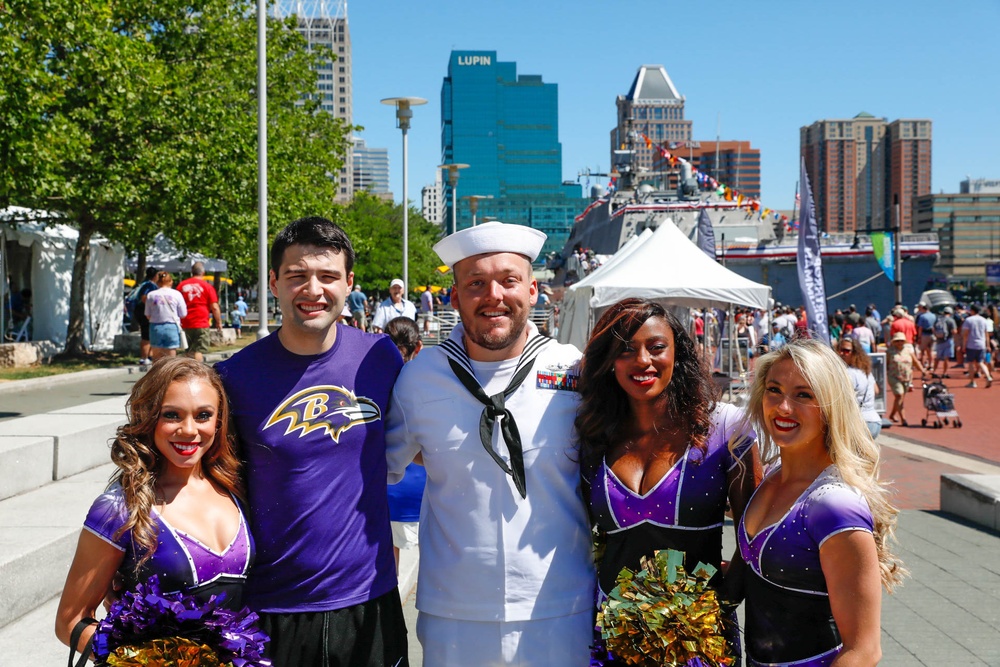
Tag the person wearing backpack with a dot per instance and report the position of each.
(943, 329)
(137, 305)
(925, 333)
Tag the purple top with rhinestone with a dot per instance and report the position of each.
(181, 561)
(785, 556)
(685, 510)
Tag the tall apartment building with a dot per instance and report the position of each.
(733, 163)
(371, 169)
(653, 108)
(431, 205)
(323, 23)
(859, 168)
(908, 164)
(506, 127)
(968, 229)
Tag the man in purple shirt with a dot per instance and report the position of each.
(309, 402)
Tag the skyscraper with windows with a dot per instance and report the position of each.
(859, 168)
(506, 127)
(652, 107)
(371, 169)
(323, 23)
(908, 166)
(734, 163)
(430, 200)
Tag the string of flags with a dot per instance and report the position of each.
(750, 204)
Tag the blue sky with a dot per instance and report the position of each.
(759, 70)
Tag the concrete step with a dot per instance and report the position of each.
(44, 448)
(972, 497)
(38, 536)
(33, 638)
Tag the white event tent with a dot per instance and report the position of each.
(166, 256)
(664, 266)
(40, 252)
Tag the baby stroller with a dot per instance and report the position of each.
(939, 403)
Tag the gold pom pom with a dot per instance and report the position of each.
(165, 652)
(663, 616)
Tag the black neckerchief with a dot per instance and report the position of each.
(461, 366)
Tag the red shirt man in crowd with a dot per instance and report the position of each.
(903, 323)
(201, 298)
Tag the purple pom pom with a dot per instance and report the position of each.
(147, 613)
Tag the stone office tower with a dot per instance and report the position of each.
(652, 107)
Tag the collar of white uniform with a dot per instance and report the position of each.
(454, 347)
(494, 407)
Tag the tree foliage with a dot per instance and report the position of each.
(131, 117)
(376, 230)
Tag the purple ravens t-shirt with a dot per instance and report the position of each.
(312, 433)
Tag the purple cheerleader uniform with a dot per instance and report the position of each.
(788, 616)
(684, 511)
(181, 562)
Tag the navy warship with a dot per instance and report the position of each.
(746, 242)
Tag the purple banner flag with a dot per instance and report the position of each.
(706, 234)
(810, 263)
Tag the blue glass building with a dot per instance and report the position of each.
(506, 128)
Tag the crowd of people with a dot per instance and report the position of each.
(268, 476)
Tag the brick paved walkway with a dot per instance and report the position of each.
(978, 408)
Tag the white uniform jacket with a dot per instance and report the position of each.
(486, 553)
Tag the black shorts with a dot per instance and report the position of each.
(143, 321)
(369, 634)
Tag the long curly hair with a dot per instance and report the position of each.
(140, 462)
(689, 399)
(859, 358)
(847, 438)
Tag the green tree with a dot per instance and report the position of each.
(376, 230)
(140, 116)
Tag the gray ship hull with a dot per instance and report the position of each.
(752, 248)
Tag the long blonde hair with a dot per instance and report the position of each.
(140, 462)
(847, 438)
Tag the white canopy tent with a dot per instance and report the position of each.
(165, 256)
(575, 314)
(664, 266)
(41, 256)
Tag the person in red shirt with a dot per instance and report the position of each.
(201, 299)
(903, 323)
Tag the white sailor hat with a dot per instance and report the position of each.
(492, 236)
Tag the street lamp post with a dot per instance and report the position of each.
(474, 204)
(262, 286)
(403, 115)
(453, 182)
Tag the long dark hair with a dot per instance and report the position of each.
(689, 399)
(405, 334)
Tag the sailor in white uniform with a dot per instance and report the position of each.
(506, 571)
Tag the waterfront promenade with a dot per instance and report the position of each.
(946, 613)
